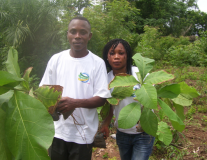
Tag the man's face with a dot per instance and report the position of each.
(78, 35)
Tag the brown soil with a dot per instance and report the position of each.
(111, 151)
(192, 144)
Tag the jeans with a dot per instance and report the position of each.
(134, 146)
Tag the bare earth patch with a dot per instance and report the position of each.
(193, 144)
(111, 151)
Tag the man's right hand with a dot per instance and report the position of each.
(66, 104)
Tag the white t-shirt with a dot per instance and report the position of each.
(81, 78)
(124, 103)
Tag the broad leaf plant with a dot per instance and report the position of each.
(152, 104)
(26, 127)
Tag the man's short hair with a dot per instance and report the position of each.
(80, 18)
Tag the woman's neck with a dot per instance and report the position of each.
(115, 72)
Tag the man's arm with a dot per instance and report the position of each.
(68, 104)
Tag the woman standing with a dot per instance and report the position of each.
(133, 145)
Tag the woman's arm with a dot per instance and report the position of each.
(105, 125)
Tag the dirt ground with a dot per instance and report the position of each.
(111, 151)
(192, 144)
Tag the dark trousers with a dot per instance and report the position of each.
(61, 150)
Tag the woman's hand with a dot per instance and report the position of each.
(105, 130)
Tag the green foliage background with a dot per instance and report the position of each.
(171, 32)
(38, 28)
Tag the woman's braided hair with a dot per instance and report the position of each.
(113, 43)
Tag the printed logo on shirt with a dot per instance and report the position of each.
(83, 77)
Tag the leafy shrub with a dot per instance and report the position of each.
(26, 127)
(175, 51)
(202, 109)
(172, 95)
(183, 55)
(155, 46)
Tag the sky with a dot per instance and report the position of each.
(202, 4)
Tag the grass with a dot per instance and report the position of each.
(105, 155)
(195, 77)
(94, 149)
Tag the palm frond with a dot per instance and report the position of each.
(17, 34)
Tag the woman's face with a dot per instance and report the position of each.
(117, 58)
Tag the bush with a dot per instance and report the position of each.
(175, 51)
(155, 46)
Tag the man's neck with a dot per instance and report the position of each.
(78, 54)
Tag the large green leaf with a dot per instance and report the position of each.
(47, 96)
(169, 91)
(5, 97)
(8, 78)
(168, 102)
(123, 81)
(164, 134)
(4, 89)
(5, 154)
(180, 111)
(187, 91)
(12, 62)
(129, 115)
(147, 96)
(172, 116)
(185, 98)
(183, 101)
(29, 128)
(158, 77)
(177, 126)
(122, 92)
(8, 81)
(161, 114)
(105, 110)
(113, 101)
(149, 121)
(139, 77)
(144, 64)
(144, 59)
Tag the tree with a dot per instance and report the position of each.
(198, 21)
(32, 27)
(169, 15)
(110, 22)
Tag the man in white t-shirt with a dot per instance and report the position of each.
(84, 79)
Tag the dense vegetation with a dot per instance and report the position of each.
(37, 29)
(172, 32)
